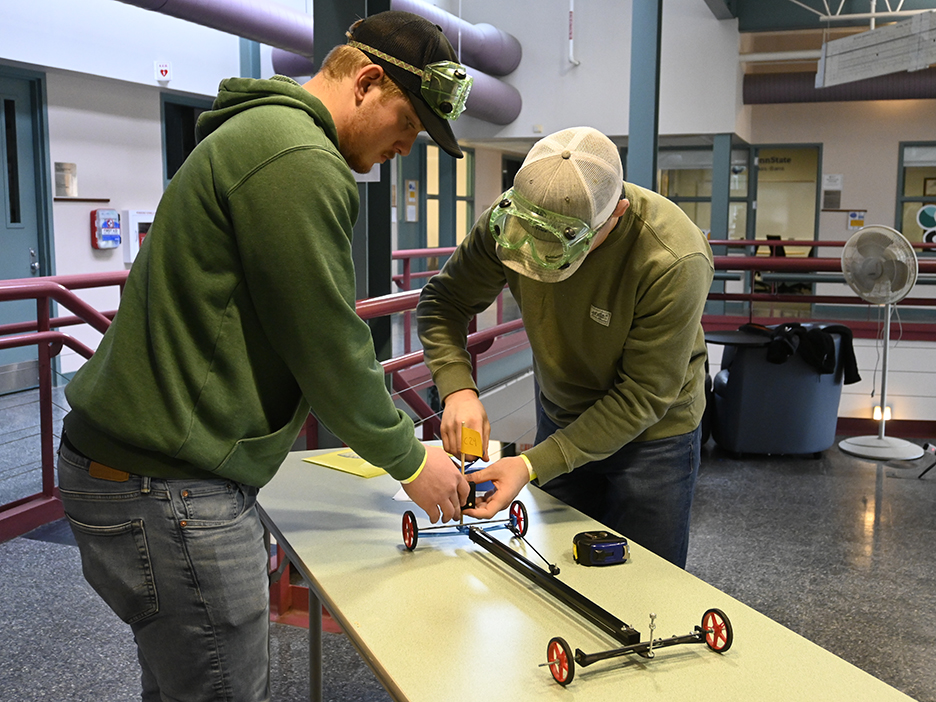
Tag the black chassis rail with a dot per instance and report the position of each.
(603, 619)
(643, 649)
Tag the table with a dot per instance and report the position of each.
(450, 622)
(736, 338)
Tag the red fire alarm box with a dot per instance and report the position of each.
(105, 229)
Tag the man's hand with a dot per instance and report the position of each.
(464, 407)
(509, 475)
(440, 486)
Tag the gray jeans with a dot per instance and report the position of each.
(183, 563)
(643, 492)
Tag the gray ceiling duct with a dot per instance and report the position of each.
(290, 33)
(776, 88)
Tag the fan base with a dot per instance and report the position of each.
(884, 449)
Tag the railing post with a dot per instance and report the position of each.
(407, 280)
(311, 432)
(45, 400)
(472, 328)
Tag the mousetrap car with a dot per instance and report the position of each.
(715, 632)
(516, 521)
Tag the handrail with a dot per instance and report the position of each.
(802, 243)
(795, 263)
(28, 289)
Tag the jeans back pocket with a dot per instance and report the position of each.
(115, 561)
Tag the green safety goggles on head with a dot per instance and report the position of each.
(445, 84)
(554, 240)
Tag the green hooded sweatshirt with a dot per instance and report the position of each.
(238, 314)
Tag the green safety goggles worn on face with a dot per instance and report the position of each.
(445, 84)
(554, 240)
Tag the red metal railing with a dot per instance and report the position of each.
(22, 515)
(405, 281)
(808, 265)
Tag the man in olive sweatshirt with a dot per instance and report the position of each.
(237, 318)
(611, 280)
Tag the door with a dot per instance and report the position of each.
(22, 255)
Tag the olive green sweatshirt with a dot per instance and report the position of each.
(238, 314)
(618, 347)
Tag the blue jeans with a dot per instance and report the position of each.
(643, 492)
(183, 563)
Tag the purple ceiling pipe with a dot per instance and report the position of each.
(492, 100)
(265, 22)
(286, 63)
(483, 46)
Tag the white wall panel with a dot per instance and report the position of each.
(115, 40)
(911, 379)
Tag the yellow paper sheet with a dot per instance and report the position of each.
(346, 461)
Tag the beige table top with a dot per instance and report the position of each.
(449, 621)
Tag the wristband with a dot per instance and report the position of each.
(529, 467)
(418, 470)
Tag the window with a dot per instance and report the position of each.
(12, 162)
(685, 177)
(464, 195)
(916, 204)
(787, 187)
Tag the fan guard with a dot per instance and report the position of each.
(879, 264)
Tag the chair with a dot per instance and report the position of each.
(763, 407)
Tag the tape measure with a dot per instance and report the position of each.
(592, 548)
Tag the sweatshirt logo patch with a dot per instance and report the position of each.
(601, 316)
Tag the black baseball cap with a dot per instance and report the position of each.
(418, 42)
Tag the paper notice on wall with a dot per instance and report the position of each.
(66, 179)
(856, 219)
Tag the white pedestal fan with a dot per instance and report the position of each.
(881, 267)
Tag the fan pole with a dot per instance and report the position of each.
(882, 448)
(887, 323)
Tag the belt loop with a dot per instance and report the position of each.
(144, 484)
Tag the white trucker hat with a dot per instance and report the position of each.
(575, 172)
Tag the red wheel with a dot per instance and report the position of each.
(717, 630)
(518, 517)
(560, 660)
(410, 530)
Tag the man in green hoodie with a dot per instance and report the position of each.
(237, 318)
(611, 280)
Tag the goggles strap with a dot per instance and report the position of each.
(439, 107)
(386, 57)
